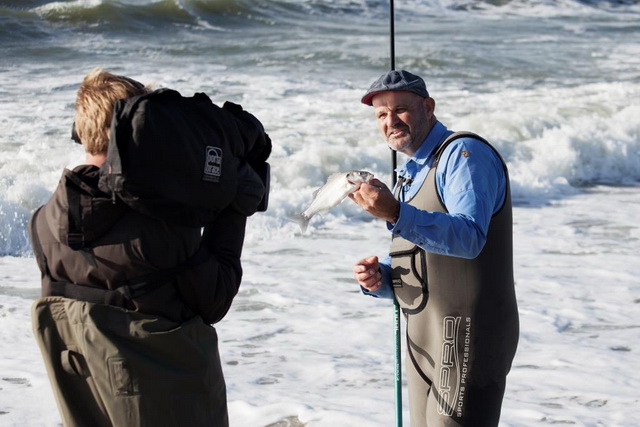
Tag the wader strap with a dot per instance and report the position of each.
(465, 134)
(456, 135)
(123, 295)
(88, 294)
(401, 182)
(75, 236)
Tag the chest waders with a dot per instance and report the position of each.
(462, 318)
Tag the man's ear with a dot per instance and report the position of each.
(429, 105)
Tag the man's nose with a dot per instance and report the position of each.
(392, 119)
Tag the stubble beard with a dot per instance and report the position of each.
(411, 139)
(402, 143)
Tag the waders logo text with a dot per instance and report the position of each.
(453, 372)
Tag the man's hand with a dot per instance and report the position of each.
(376, 198)
(367, 273)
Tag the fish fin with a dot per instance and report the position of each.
(302, 221)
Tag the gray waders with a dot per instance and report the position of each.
(110, 366)
(462, 319)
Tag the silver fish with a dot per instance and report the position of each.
(335, 190)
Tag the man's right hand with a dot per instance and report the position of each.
(376, 198)
(367, 273)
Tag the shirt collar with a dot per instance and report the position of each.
(436, 135)
(433, 139)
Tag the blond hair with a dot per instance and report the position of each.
(95, 102)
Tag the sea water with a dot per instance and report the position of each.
(554, 85)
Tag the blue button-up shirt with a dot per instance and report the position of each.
(471, 183)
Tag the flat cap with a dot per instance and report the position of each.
(396, 80)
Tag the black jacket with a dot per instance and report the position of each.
(117, 244)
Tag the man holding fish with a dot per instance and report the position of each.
(450, 266)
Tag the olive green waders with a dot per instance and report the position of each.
(113, 367)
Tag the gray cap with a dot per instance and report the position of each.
(395, 80)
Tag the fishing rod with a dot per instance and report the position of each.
(392, 55)
(394, 179)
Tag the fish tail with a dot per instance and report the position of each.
(302, 221)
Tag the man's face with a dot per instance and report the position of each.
(404, 119)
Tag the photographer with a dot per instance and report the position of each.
(127, 298)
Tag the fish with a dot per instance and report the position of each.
(335, 190)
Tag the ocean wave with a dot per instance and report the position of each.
(14, 240)
(555, 141)
(140, 15)
(149, 15)
(558, 97)
(115, 15)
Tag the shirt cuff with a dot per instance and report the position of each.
(386, 290)
(406, 219)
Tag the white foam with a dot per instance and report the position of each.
(559, 99)
(302, 343)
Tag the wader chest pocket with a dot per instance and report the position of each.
(409, 275)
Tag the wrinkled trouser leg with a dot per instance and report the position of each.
(112, 367)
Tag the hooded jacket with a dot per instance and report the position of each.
(84, 240)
